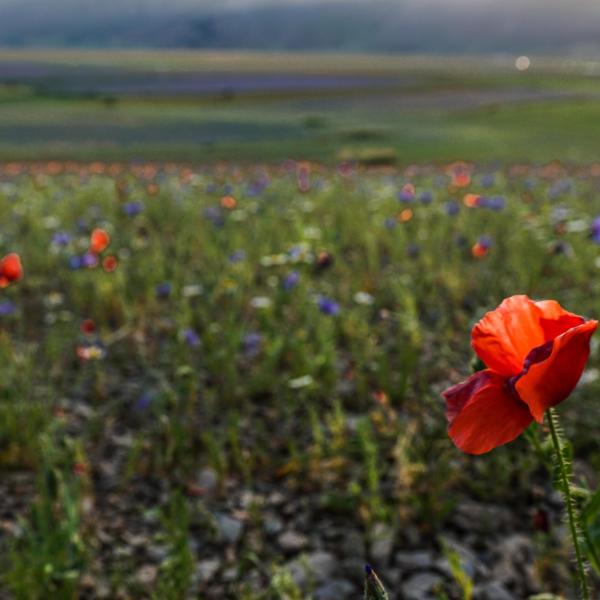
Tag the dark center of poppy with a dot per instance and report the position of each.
(537, 355)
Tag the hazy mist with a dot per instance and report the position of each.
(430, 26)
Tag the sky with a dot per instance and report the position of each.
(207, 4)
(576, 6)
(438, 26)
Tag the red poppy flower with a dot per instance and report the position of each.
(535, 353)
(110, 263)
(479, 250)
(228, 202)
(88, 326)
(11, 269)
(99, 241)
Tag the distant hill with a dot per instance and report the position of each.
(418, 26)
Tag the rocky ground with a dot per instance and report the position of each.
(238, 535)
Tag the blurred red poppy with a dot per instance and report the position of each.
(11, 269)
(88, 326)
(228, 202)
(535, 353)
(479, 250)
(99, 241)
(110, 263)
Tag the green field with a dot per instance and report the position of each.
(240, 395)
(417, 109)
(249, 405)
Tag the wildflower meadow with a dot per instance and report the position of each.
(255, 381)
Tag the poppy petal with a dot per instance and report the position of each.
(483, 414)
(555, 319)
(458, 395)
(503, 337)
(549, 381)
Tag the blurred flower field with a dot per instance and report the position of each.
(224, 381)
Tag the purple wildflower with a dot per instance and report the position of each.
(451, 207)
(214, 215)
(595, 230)
(290, 281)
(328, 306)
(487, 180)
(163, 290)
(493, 202)
(75, 262)
(143, 402)
(426, 197)
(405, 195)
(61, 238)
(7, 308)
(484, 241)
(251, 344)
(390, 223)
(89, 260)
(191, 337)
(131, 209)
(237, 256)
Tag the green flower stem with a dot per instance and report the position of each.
(565, 484)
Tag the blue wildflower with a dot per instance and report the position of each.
(214, 215)
(251, 344)
(191, 338)
(290, 281)
(487, 180)
(143, 402)
(89, 260)
(61, 238)
(595, 230)
(484, 241)
(237, 256)
(7, 308)
(406, 195)
(75, 262)
(426, 197)
(328, 306)
(390, 223)
(163, 290)
(493, 203)
(496, 203)
(131, 209)
(451, 207)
